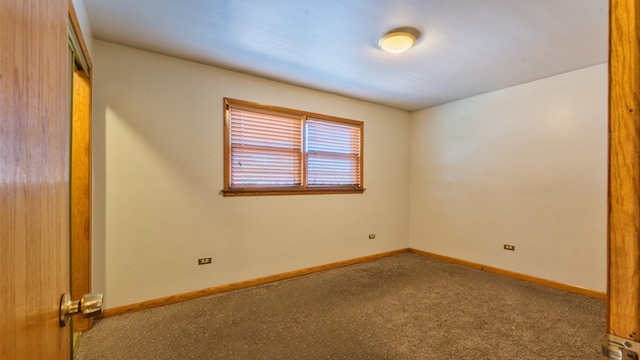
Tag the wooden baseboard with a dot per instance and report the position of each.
(167, 300)
(515, 275)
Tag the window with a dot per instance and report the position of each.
(273, 151)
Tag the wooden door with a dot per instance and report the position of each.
(34, 178)
(623, 310)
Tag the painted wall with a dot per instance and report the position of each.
(525, 165)
(158, 159)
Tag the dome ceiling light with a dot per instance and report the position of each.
(399, 40)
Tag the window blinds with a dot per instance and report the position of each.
(295, 151)
(333, 153)
(265, 149)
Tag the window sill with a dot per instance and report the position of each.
(290, 191)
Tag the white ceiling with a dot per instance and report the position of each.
(467, 47)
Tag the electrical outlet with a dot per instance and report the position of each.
(509, 247)
(372, 236)
(204, 261)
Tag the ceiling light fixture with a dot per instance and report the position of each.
(399, 40)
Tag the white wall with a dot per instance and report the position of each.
(158, 159)
(525, 165)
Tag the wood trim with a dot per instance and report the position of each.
(362, 157)
(515, 275)
(73, 17)
(291, 191)
(267, 109)
(81, 193)
(623, 306)
(80, 176)
(281, 111)
(226, 136)
(120, 310)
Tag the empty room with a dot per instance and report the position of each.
(383, 179)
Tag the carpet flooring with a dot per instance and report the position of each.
(400, 307)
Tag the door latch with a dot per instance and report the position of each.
(617, 348)
(90, 305)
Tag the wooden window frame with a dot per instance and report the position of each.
(286, 190)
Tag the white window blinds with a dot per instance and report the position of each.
(265, 149)
(333, 153)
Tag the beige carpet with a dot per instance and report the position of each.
(402, 307)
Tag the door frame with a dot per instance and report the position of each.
(80, 170)
(623, 286)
